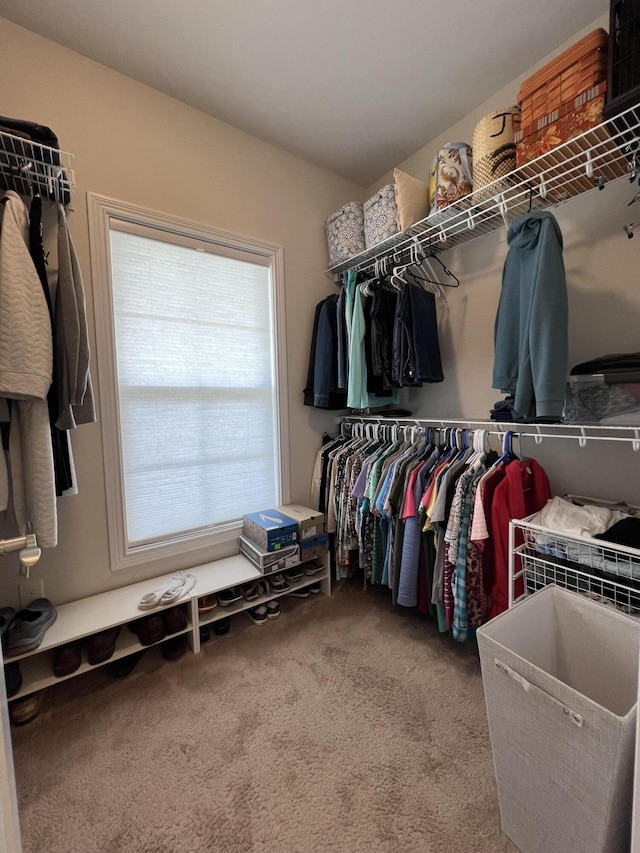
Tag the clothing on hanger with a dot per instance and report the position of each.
(531, 329)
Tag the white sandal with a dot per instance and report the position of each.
(152, 599)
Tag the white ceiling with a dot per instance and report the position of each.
(355, 86)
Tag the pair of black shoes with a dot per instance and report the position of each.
(220, 627)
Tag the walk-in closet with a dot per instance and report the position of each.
(321, 427)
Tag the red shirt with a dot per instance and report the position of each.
(524, 490)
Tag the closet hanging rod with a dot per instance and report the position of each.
(575, 432)
(18, 543)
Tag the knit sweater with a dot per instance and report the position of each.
(531, 338)
(26, 362)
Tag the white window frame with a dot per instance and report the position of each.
(215, 543)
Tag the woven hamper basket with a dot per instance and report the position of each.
(560, 675)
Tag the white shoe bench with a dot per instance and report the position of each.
(87, 616)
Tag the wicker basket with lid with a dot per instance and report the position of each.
(577, 69)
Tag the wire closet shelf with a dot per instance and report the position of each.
(601, 154)
(603, 571)
(30, 168)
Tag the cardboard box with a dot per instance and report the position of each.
(311, 549)
(269, 561)
(270, 529)
(310, 521)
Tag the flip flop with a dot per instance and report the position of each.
(157, 598)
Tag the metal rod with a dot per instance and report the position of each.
(17, 544)
(581, 434)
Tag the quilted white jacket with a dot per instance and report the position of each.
(26, 364)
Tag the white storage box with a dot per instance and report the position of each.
(310, 521)
(560, 675)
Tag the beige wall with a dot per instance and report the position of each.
(135, 144)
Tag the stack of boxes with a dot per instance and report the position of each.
(312, 541)
(282, 537)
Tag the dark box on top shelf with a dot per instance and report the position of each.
(270, 529)
(623, 72)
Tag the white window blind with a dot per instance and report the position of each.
(195, 383)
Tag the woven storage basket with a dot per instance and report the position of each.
(560, 675)
(555, 128)
(579, 68)
(345, 232)
(380, 216)
(494, 147)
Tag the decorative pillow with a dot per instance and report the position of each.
(345, 232)
(412, 199)
(380, 216)
(454, 173)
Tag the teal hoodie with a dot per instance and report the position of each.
(530, 336)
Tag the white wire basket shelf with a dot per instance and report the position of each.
(603, 571)
(599, 155)
(30, 168)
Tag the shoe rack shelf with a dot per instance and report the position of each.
(37, 673)
(220, 612)
(83, 618)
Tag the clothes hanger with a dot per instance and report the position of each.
(447, 272)
(507, 449)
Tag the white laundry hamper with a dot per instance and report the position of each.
(560, 675)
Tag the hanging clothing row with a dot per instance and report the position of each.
(426, 513)
(45, 385)
(376, 336)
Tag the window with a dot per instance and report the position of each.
(191, 360)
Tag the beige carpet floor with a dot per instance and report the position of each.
(343, 726)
